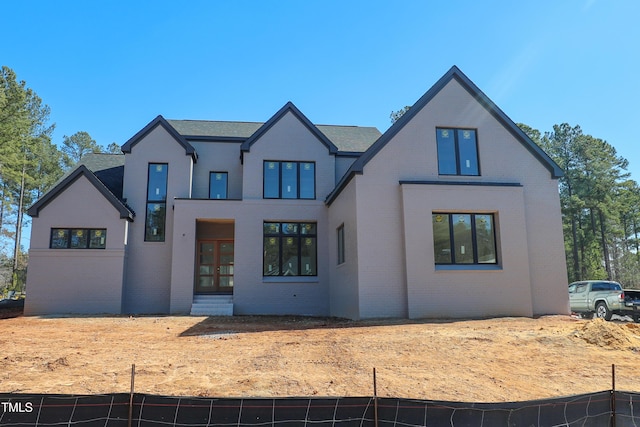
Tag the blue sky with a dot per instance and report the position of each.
(110, 67)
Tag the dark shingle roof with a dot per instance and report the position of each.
(214, 128)
(75, 174)
(350, 138)
(346, 138)
(108, 168)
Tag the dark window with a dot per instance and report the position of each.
(290, 249)
(218, 185)
(155, 223)
(154, 230)
(157, 188)
(464, 238)
(307, 180)
(605, 286)
(457, 152)
(340, 231)
(78, 238)
(59, 238)
(289, 180)
(271, 180)
(97, 239)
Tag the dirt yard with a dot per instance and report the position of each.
(496, 360)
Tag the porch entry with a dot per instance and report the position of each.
(215, 267)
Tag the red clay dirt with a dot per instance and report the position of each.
(491, 360)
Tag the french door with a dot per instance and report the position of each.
(215, 267)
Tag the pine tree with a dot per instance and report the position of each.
(25, 150)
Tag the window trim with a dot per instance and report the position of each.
(474, 240)
(299, 187)
(281, 236)
(226, 190)
(156, 202)
(457, 151)
(70, 230)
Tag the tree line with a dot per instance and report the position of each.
(30, 164)
(600, 205)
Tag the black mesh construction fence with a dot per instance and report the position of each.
(114, 410)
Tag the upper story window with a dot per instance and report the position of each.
(154, 230)
(78, 238)
(457, 152)
(289, 180)
(218, 185)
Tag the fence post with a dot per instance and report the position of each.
(375, 399)
(133, 376)
(613, 395)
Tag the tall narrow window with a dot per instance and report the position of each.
(340, 232)
(271, 180)
(307, 180)
(290, 249)
(289, 179)
(218, 185)
(457, 152)
(156, 202)
(464, 238)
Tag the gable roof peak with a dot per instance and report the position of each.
(453, 73)
(289, 107)
(81, 170)
(160, 121)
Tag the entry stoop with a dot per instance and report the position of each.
(212, 305)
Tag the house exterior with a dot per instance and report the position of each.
(452, 212)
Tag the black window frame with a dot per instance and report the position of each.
(474, 238)
(457, 151)
(152, 201)
(226, 190)
(298, 179)
(70, 230)
(341, 245)
(281, 235)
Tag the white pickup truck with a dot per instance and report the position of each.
(600, 297)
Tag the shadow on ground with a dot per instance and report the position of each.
(244, 324)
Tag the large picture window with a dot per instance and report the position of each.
(289, 180)
(464, 238)
(457, 152)
(154, 230)
(78, 238)
(290, 249)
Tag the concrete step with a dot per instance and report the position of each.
(212, 305)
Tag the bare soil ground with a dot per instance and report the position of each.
(491, 360)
